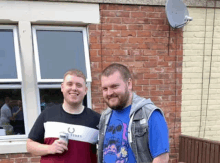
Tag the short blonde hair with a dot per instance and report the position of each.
(75, 72)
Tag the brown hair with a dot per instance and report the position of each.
(123, 70)
(75, 72)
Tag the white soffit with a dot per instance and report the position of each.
(49, 11)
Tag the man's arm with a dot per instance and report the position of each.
(164, 158)
(38, 149)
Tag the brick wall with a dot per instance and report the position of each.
(201, 60)
(140, 38)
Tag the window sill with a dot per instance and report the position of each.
(13, 146)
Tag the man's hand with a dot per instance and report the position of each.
(58, 146)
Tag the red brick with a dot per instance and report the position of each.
(107, 39)
(163, 64)
(135, 40)
(103, 6)
(143, 21)
(143, 93)
(107, 52)
(128, 33)
(144, 46)
(133, 64)
(20, 160)
(35, 159)
(106, 26)
(119, 27)
(150, 76)
(150, 52)
(95, 33)
(150, 64)
(111, 46)
(127, 59)
(141, 58)
(95, 59)
(138, 76)
(93, 52)
(137, 88)
(131, 8)
(161, 52)
(111, 33)
(147, 8)
(144, 33)
(164, 76)
(128, 21)
(129, 46)
(160, 34)
(113, 20)
(108, 13)
(156, 93)
(159, 46)
(142, 82)
(159, 9)
(137, 52)
(120, 52)
(93, 27)
(149, 87)
(113, 59)
(157, 21)
(95, 46)
(120, 40)
(94, 39)
(154, 15)
(168, 92)
(156, 82)
(122, 14)
(135, 27)
(161, 40)
(7, 161)
(138, 14)
(115, 7)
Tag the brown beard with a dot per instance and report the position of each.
(122, 102)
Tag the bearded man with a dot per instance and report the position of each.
(132, 129)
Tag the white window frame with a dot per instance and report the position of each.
(17, 54)
(51, 28)
(41, 82)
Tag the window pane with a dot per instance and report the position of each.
(7, 55)
(11, 117)
(50, 97)
(60, 51)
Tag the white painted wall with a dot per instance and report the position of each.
(198, 45)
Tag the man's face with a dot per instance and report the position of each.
(116, 92)
(74, 90)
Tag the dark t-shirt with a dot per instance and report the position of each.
(82, 132)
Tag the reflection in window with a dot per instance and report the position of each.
(52, 96)
(11, 112)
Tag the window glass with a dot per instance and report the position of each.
(60, 51)
(7, 55)
(11, 112)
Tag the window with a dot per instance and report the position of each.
(57, 50)
(12, 120)
(31, 65)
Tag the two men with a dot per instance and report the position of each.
(131, 130)
(71, 118)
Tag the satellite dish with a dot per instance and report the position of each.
(177, 13)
